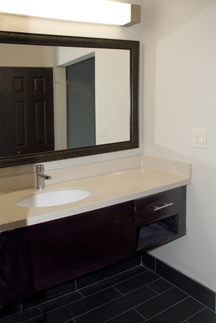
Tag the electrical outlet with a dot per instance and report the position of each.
(199, 138)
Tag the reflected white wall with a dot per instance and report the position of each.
(112, 89)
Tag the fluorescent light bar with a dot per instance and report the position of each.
(93, 11)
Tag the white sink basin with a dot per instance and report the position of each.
(53, 198)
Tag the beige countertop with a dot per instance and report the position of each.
(105, 190)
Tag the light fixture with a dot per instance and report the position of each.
(93, 11)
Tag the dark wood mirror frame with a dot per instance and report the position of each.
(69, 41)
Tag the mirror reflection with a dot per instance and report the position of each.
(56, 98)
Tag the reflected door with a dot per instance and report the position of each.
(26, 111)
(81, 130)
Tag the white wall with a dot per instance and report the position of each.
(179, 38)
(112, 84)
(27, 56)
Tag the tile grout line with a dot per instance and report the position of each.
(178, 288)
(152, 298)
(103, 280)
(101, 290)
(163, 291)
(63, 305)
(39, 309)
(75, 317)
(123, 313)
(113, 286)
(198, 312)
(153, 290)
(187, 294)
(122, 295)
(134, 277)
(75, 282)
(139, 313)
(115, 300)
(56, 298)
(134, 290)
(83, 296)
(119, 297)
(78, 290)
(118, 290)
(168, 308)
(133, 308)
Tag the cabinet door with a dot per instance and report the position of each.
(15, 266)
(73, 246)
(43, 255)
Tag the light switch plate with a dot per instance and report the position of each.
(199, 138)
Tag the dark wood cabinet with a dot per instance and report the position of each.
(160, 218)
(43, 255)
(159, 206)
(36, 257)
(73, 246)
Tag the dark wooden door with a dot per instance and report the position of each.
(14, 112)
(41, 102)
(26, 111)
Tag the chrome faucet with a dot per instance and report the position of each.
(41, 177)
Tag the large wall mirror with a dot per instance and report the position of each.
(63, 97)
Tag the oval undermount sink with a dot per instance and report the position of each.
(53, 198)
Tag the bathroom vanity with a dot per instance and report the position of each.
(50, 249)
(127, 212)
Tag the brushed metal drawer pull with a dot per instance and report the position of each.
(157, 208)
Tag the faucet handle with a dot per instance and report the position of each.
(40, 168)
(41, 177)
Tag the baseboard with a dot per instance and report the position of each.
(200, 292)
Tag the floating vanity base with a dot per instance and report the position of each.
(40, 256)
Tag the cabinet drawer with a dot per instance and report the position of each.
(159, 206)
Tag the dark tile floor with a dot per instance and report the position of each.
(133, 296)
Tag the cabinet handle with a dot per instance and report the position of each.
(157, 208)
